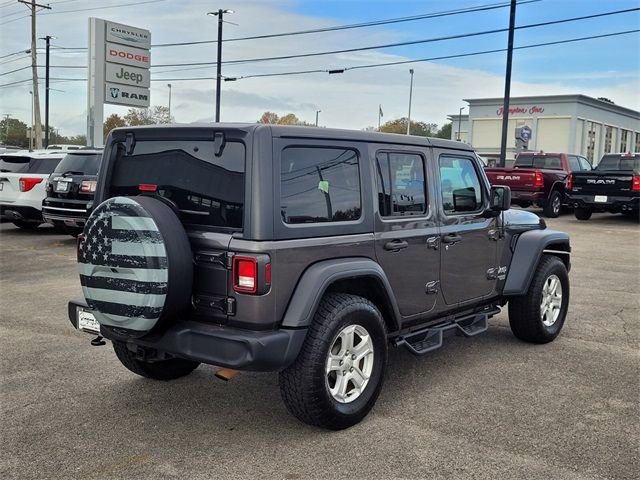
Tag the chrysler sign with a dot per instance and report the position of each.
(125, 35)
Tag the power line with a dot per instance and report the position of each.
(399, 44)
(372, 23)
(373, 65)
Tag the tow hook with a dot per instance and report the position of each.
(98, 341)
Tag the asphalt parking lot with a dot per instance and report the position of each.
(489, 407)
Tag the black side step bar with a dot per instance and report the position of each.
(429, 339)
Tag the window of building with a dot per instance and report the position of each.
(319, 184)
(591, 142)
(608, 138)
(637, 148)
(624, 138)
(401, 185)
(460, 184)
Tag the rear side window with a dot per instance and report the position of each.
(85, 164)
(319, 184)
(585, 164)
(574, 164)
(401, 186)
(461, 188)
(208, 189)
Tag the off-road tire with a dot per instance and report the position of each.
(582, 213)
(524, 311)
(303, 384)
(553, 206)
(161, 370)
(26, 225)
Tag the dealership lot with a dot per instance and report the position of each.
(489, 407)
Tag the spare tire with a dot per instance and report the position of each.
(135, 264)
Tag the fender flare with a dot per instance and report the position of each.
(315, 281)
(528, 250)
(559, 186)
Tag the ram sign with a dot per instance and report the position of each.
(119, 61)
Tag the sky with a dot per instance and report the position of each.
(608, 67)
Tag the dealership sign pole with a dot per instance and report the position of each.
(119, 61)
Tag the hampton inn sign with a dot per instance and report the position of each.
(119, 62)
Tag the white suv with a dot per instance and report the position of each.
(23, 176)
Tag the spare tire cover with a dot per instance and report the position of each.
(135, 264)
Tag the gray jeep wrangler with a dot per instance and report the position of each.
(306, 251)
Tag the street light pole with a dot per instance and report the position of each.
(507, 86)
(460, 122)
(169, 85)
(31, 129)
(410, 95)
(317, 112)
(220, 13)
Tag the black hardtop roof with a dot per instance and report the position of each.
(297, 131)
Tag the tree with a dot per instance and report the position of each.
(14, 132)
(445, 131)
(113, 121)
(148, 116)
(399, 125)
(288, 119)
(605, 99)
(269, 117)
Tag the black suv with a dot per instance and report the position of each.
(307, 251)
(70, 190)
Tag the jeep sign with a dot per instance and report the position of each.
(117, 94)
(138, 77)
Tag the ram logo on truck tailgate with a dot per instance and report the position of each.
(508, 177)
(594, 181)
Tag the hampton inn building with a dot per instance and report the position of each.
(557, 123)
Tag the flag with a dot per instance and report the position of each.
(380, 111)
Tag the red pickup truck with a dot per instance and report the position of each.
(539, 178)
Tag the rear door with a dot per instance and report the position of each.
(206, 187)
(469, 240)
(406, 229)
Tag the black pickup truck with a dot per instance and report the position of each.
(613, 186)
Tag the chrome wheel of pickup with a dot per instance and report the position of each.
(349, 363)
(551, 301)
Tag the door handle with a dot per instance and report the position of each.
(451, 239)
(395, 245)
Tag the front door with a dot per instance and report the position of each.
(469, 239)
(406, 232)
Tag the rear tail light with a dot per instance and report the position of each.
(569, 182)
(88, 186)
(245, 274)
(635, 183)
(27, 183)
(147, 187)
(539, 180)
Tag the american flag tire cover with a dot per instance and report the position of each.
(122, 261)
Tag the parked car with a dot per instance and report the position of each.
(539, 178)
(613, 186)
(64, 147)
(307, 251)
(9, 149)
(23, 175)
(70, 190)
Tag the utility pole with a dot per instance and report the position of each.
(34, 68)
(47, 39)
(6, 127)
(507, 86)
(169, 85)
(410, 95)
(460, 122)
(317, 112)
(219, 14)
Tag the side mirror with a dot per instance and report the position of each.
(500, 198)
(464, 200)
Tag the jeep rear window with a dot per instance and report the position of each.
(319, 184)
(21, 164)
(207, 189)
(81, 164)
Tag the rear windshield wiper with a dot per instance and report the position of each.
(71, 172)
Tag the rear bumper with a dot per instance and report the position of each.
(20, 212)
(218, 345)
(613, 203)
(71, 214)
